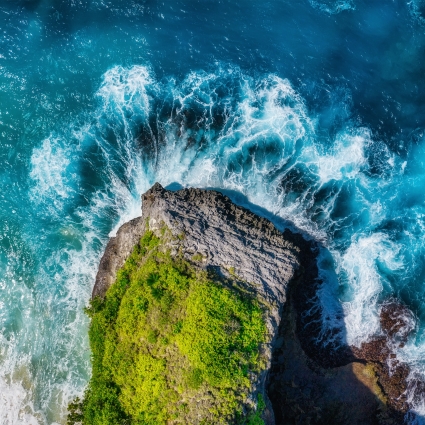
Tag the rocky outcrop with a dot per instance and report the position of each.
(225, 237)
(308, 383)
(217, 235)
(397, 323)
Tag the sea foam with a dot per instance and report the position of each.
(223, 130)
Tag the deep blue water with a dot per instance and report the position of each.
(313, 110)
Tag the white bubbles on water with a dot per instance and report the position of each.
(12, 397)
(417, 9)
(362, 265)
(345, 159)
(124, 98)
(84, 174)
(49, 164)
(16, 385)
(221, 129)
(332, 6)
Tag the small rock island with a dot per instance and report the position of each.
(199, 315)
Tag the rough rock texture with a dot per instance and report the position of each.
(397, 323)
(228, 238)
(216, 234)
(308, 383)
(117, 251)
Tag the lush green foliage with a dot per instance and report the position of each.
(170, 345)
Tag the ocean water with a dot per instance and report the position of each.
(313, 110)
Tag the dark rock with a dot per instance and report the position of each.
(397, 323)
(226, 236)
(376, 350)
(116, 252)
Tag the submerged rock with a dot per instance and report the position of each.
(397, 323)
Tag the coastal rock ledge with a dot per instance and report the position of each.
(301, 383)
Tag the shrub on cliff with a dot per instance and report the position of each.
(170, 345)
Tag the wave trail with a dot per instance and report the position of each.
(227, 130)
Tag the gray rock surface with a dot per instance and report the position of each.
(214, 233)
(206, 223)
(117, 251)
(228, 238)
(305, 381)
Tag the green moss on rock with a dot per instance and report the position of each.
(171, 345)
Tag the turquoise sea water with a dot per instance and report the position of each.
(314, 110)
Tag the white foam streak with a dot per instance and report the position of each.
(266, 148)
(345, 160)
(123, 91)
(49, 170)
(65, 279)
(360, 264)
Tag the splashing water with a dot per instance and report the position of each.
(83, 137)
(254, 137)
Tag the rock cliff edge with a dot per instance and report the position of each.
(304, 383)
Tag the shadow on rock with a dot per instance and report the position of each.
(313, 384)
(315, 377)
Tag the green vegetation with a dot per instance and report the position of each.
(197, 257)
(254, 417)
(171, 345)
